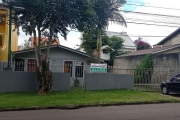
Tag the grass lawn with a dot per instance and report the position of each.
(75, 97)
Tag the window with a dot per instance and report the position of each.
(128, 51)
(79, 71)
(68, 65)
(1, 40)
(176, 78)
(19, 64)
(31, 65)
(105, 51)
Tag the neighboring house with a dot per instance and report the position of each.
(43, 42)
(129, 45)
(61, 59)
(163, 57)
(4, 33)
(172, 39)
(105, 55)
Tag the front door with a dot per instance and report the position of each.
(68, 67)
(79, 69)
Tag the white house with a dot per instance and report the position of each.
(104, 54)
(129, 45)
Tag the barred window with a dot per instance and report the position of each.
(19, 64)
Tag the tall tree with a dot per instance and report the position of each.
(106, 11)
(89, 40)
(47, 18)
(141, 45)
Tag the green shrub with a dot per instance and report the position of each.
(143, 72)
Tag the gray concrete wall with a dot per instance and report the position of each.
(105, 81)
(170, 61)
(165, 65)
(27, 82)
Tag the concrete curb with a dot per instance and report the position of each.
(80, 106)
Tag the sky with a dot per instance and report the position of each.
(132, 29)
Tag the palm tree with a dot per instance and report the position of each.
(106, 11)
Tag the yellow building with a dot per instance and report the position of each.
(4, 32)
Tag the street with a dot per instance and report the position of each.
(129, 112)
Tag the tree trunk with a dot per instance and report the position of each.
(44, 74)
(99, 45)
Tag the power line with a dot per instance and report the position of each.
(127, 11)
(152, 6)
(152, 24)
(141, 22)
(152, 21)
(144, 21)
(131, 35)
(150, 14)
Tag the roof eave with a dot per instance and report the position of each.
(72, 50)
(165, 49)
(168, 37)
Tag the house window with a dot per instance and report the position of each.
(128, 51)
(1, 41)
(105, 51)
(79, 71)
(19, 64)
(31, 66)
(68, 65)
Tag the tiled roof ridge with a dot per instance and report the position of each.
(151, 50)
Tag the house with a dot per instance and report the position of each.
(172, 39)
(128, 44)
(61, 59)
(4, 33)
(105, 55)
(167, 57)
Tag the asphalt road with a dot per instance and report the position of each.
(129, 112)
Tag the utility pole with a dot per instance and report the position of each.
(9, 42)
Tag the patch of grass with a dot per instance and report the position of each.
(79, 97)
